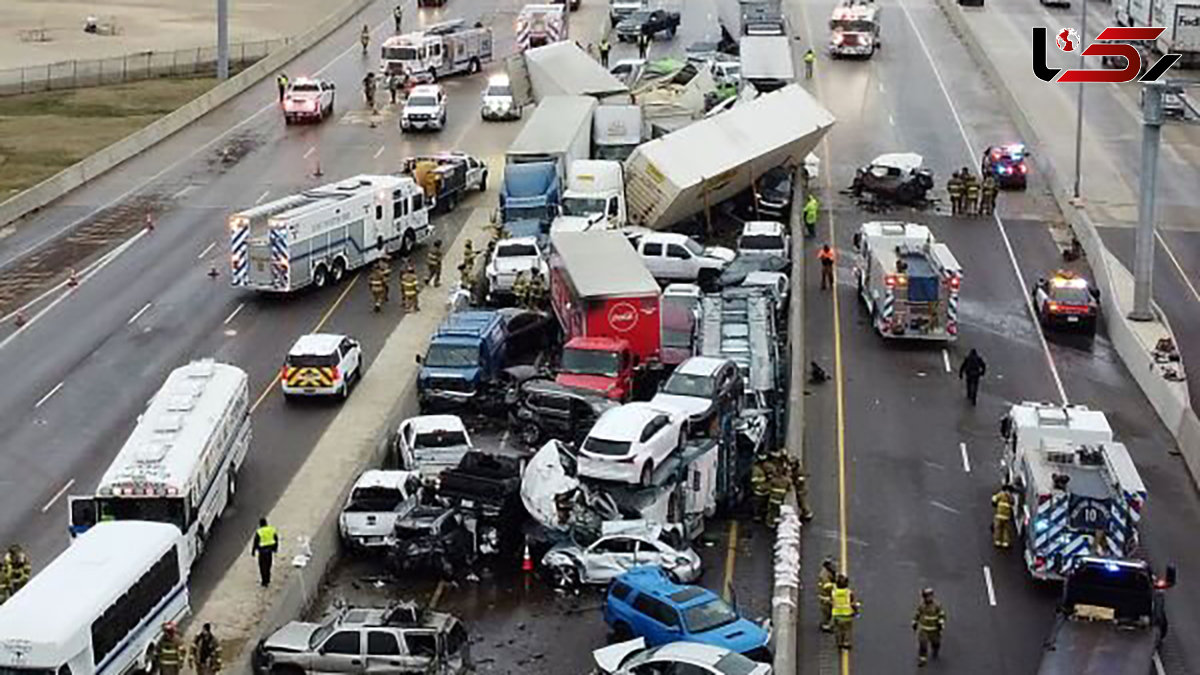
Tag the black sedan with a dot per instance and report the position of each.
(647, 22)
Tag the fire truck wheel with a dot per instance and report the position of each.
(474, 67)
(339, 270)
(320, 276)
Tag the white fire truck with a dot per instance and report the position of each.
(854, 29)
(539, 25)
(442, 49)
(1077, 491)
(908, 281)
(316, 237)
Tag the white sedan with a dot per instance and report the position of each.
(628, 443)
(694, 658)
(623, 546)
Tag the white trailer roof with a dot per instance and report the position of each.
(767, 57)
(603, 264)
(562, 68)
(553, 125)
(168, 442)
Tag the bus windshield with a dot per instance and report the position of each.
(171, 510)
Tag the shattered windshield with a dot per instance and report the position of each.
(712, 614)
(452, 356)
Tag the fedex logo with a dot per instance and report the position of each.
(1067, 40)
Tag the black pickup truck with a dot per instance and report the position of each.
(647, 22)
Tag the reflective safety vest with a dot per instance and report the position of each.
(758, 480)
(930, 617)
(408, 283)
(842, 603)
(268, 536)
(826, 256)
(954, 186)
(810, 211)
(809, 57)
(169, 652)
(1003, 503)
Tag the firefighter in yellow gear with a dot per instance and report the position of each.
(15, 571)
(971, 182)
(520, 289)
(537, 289)
(844, 607)
(987, 196)
(758, 488)
(777, 488)
(1002, 503)
(469, 256)
(465, 278)
(955, 187)
(826, 580)
(378, 285)
(799, 484)
(929, 620)
(206, 652)
(410, 288)
(169, 653)
(433, 260)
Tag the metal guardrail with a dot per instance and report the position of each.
(130, 67)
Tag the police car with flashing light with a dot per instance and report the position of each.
(1066, 300)
(1006, 164)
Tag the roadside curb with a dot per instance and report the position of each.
(138, 142)
(1171, 400)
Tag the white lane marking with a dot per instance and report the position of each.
(311, 150)
(504, 440)
(233, 314)
(273, 105)
(45, 398)
(987, 580)
(261, 197)
(946, 360)
(184, 191)
(948, 509)
(380, 151)
(1012, 257)
(87, 271)
(962, 447)
(58, 495)
(1178, 267)
(139, 314)
(1158, 665)
(206, 250)
(891, 121)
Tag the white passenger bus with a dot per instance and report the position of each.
(180, 464)
(99, 607)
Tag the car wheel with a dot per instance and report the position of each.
(531, 435)
(564, 576)
(408, 242)
(451, 201)
(320, 277)
(647, 477)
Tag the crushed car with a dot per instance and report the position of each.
(899, 177)
(543, 409)
(622, 546)
(431, 537)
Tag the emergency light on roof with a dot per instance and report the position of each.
(1061, 282)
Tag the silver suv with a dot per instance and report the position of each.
(400, 639)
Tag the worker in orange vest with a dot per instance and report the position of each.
(826, 256)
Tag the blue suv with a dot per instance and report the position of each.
(645, 603)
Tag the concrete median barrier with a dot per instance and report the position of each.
(112, 156)
(1133, 341)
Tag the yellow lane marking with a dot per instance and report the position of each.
(730, 558)
(324, 318)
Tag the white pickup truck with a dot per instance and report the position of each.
(677, 257)
(377, 500)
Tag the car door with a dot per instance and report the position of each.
(342, 652)
(609, 558)
(680, 264)
(421, 646)
(657, 441)
(384, 654)
(652, 256)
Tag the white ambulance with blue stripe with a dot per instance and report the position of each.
(317, 237)
(1078, 492)
(908, 280)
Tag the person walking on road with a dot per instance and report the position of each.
(843, 610)
(643, 44)
(812, 208)
(433, 260)
(826, 580)
(972, 189)
(1002, 505)
(369, 90)
(266, 544)
(987, 196)
(281, 81)
(206, 652)
(377, 282)
(929, 620)
(536, 296)
(604, 49)
(365, 38)
(410, 289)
(398, 15)
(810, 58)
(393, 83)
(168, 654)
(973, 369)
(827, 258)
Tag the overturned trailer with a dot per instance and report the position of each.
(672, 178)
(562, 69)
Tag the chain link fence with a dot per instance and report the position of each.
(131, 67)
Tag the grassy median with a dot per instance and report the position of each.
(44, 133)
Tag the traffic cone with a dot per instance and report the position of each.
(526, 561)
(72, 279)
(317, 169)
(20, 320)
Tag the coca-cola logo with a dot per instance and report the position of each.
(622, 317)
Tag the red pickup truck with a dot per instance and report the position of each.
(609, 308)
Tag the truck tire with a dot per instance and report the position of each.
(321, 276)
(339, 271)
(408, 242)
(473, 67)
(483, 182)
(451, 201)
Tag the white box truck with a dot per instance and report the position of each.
(595, 197)
(616, 131)
(559, 131)
(1180, 18)
(767, 62)
(674, 177)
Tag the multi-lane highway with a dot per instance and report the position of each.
(901, 468)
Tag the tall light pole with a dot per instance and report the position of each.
(222, 39)
(1143, 257)
(1079, 104)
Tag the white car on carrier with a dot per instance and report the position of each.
(628, 443)
(321, 364)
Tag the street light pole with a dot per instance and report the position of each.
(1079, 104)
(222, 39)
(1143, 257)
